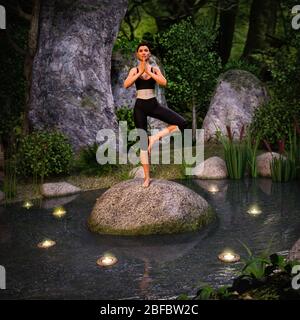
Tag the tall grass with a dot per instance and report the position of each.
(252, 147)
(284, 168)
(10, 180)
(235, 153)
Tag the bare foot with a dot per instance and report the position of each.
(146, 182)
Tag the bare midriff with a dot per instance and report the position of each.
(145, 93)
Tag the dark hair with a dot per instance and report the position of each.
(143, 43)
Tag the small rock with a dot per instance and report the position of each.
(211, 168)
(263, 163)
(58, 189)
(137, 172)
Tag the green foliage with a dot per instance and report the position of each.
(127, 47)
(44, 153)
(10, 182)
(274, 120)
(235, 154)
(190, 63)
(252, 146)
(126, 114)
(285, 70)
(87, 162)
(205, 293)
(283, 169)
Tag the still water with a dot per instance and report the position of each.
(149, 267)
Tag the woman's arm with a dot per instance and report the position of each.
(157, 76)
(132, 76)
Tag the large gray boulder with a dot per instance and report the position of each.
(120, 66)
(164, 207)
(71, 83)
(237, 95)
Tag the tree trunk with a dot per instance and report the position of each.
(262, 21)
(228, 12)
(71, 80)
(31, 50)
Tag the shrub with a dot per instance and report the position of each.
(273, 121)
(191, 64)
(126, 114)
(87, 162)
(44, 153)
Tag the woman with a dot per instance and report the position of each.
(145, 77)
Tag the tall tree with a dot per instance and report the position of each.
(191, 66)
(262, 25)
(228, 12)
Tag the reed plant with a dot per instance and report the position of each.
(284, 168)
(235, 153)
(252, 147)
(10, 178)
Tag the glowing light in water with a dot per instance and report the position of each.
(47, 243)
(229, 256)
(254, 210)
(213, 189)
(107, 260)
(27, 204)
(59, 212)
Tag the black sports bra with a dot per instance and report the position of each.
(144, 84)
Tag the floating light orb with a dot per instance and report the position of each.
(27, 204)
(229, 256)
(213, 189)
(254, 210)
(46, 244)
(107, 260)
(59, 212)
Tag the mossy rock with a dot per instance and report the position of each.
(164, 207)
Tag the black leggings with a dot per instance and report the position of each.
(152, 108)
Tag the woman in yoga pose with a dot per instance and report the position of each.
(145, 77)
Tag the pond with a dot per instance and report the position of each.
(148, 267)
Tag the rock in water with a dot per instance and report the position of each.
(263, 163)
(211, 168)
(164, 207)
(237, 95)
(58, 189)
(71, 83)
